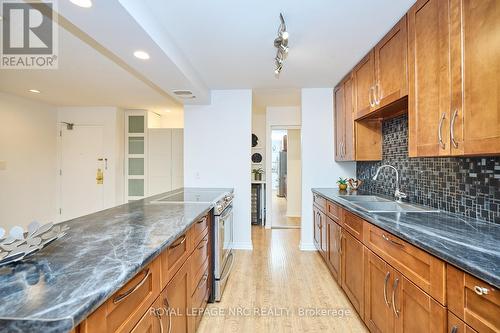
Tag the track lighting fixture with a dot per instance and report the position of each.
(281, 43)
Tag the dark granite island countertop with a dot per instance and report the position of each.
(55, 289)
(469, 244)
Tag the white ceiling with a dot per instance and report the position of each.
(230, 43)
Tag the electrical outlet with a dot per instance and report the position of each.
(3, 165)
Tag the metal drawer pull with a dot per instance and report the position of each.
(178, 244)
(371, 94)
(452, 128)
(158, 315)
(165, 302)
(202, 220)
(440, 129)
(481, 290)
(454, 329)
(377, 94)
(202, 246)
(394, 287)
(385, 289)
(202, 281)
(121, 297)
(223, 278)
(391, 241)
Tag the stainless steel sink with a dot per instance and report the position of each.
(363, 198)
(392, 207)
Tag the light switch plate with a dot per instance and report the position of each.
(3, 165)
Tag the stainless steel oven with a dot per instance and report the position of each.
(223, 246)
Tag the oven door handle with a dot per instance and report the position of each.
(229, 212)
(231, 257)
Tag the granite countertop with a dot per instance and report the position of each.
(469, 244)
(55, 289)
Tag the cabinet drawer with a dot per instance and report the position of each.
(200, 290)
(319, 201)
(473, 301)
(354, 225)
(124, 309)
(198, 230)
(199, 256)
(334, 211)
(173, 257)
(421, 268)
(456, 325)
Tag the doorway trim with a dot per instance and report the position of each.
(269, 177)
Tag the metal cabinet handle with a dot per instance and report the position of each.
(202, 220)
(452, 128)
(454, 329)
(385, 289)
(341, 149)
(394, 287)
(387, 239)
(371, 94)
(167, 304)
(440, 129)
(158, 315)
(224, 278)
(377, 93)
(126, 294)
(481, 290)
(178, 244)
(203, 241)
(205, 278)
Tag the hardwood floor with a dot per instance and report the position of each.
(280, 220)
(276, 276)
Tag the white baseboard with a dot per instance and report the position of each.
(307, 247)
(293, 215)
(243, 246)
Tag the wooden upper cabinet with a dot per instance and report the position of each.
(475, 117)
(364, 82)
(391, 75)
(339, 122)
(429, 78)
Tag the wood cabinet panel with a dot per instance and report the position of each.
(368, 140)
(455, 325)
(174, 257)
(352, 271)
(473, 301)
(364, 80)
(391, 73)
(198, 259)
(199, 230)
(353, 225)
(151, 321)
(334, 211)
(429, 78)
(420, 267)
(317, 228)
(339, 116)
(177, 300)
(475, 53)
(414, 310)
(349, 132)
(379, 275)
(126, 307)
(319, 201)
(334, 239)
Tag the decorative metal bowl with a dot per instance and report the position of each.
(20, 243)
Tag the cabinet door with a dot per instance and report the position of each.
(349, 134)
(177, 300)
(430, 86)
(323, 242)
(414, 310)
(152, 320)
(317, 228)
(391, 66)
(334, 243)
(476, 94)
(364, 81)
(378, 283)
(352, 271)
(339, 122)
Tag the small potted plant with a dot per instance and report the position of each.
(257, 173)
(342, 183)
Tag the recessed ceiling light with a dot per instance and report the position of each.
(82, 3)
(34, 91)
(141, 55)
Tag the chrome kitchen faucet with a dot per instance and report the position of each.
(398, 194)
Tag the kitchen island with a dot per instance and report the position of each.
(59, 287)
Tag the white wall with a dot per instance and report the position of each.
(294, 178)
(319, 168)
(222, 129)
(277, 117)
(173, 119)
(28, 140)
(112, 120)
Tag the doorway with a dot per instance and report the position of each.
(285, 178)
(82, 170)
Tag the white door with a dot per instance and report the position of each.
(81, 159)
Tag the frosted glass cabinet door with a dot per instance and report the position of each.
(136, 124)
(136, 166)
(136, 187)
(136, 145)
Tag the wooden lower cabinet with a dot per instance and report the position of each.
(352, 271)
(152, 321)
(455, 325)
(334, 239)
(320, 240)
(378, 283)
(177, 299)
(317, 228)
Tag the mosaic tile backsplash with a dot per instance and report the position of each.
(463, 185)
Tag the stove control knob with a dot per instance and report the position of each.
(219, 208)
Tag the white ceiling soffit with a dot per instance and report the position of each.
(230, 43)
(123, 27)
(85, 77)
(262, 98)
